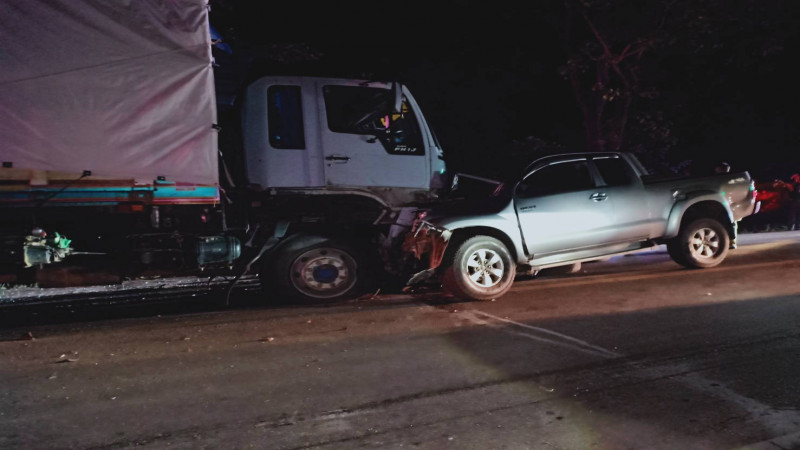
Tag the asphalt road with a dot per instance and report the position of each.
(630, 353)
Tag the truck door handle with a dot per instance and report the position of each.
(339, 158)
(598, 196)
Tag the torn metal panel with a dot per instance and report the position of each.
(426, 238)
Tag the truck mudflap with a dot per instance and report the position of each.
(426, 239)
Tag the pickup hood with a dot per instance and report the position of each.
(468, 207)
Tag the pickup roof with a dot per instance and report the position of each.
(570, 208)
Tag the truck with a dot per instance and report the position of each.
(563, 210)
(113, 156)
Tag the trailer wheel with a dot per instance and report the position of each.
(325, 270)
(701, 244)
(481, 269)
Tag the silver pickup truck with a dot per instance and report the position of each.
(572, 208)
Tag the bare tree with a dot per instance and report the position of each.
(604, 69)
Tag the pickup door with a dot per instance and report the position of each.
(582, 203)
(561, 208)
(633, 217)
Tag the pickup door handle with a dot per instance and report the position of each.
(338, 158)
(598, 196)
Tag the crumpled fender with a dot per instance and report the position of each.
(504, 222)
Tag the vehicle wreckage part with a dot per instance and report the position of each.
(481, 269)
(700, 244)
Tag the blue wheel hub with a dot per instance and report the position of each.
(326, 273)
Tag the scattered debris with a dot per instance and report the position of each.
(28, 337)
(66, 357)
(372, 296)
(267, 339)
(52, 377)
(67, 360)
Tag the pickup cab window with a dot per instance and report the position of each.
(614, 171)
(367, 111)
(557, 178)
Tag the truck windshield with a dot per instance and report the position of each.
(366, 110)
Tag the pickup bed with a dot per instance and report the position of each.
(570, 208)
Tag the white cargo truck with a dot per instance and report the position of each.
(109, 146)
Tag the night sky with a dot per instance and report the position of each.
(714, 83)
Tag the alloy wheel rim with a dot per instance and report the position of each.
(705, 243)
(485, 268)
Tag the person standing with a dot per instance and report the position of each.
(794, 203)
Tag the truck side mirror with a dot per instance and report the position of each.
(454, 184)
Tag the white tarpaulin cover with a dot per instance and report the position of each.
(118, 87)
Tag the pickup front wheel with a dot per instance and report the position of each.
(702, 243)
(481, 269)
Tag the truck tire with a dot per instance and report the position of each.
(315, 270)
(481, 269)
(701, 244)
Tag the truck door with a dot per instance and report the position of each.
(366, 144)
(560, 209)
(625, 193)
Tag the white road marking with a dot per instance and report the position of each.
(580, 345)
(474, 317)
(783, 423)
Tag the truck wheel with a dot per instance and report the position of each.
(481, 269)
(701, 244)
(325, 271)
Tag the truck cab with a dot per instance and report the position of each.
(335, 136)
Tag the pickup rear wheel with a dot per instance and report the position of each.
(701, 244)
(481, 269)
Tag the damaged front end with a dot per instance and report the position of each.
(426, 240)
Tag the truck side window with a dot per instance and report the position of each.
(614, 171)
(557, 179)
(285, 116)
(367, 111)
